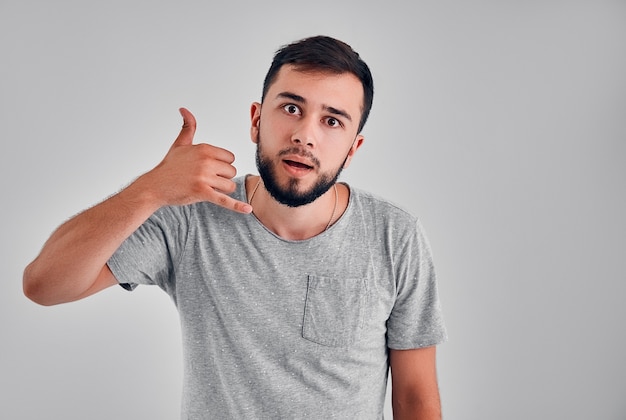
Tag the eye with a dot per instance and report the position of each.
(333, 122)
(292, 109)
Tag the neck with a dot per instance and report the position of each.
(296, 223)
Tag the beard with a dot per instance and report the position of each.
(290, 195)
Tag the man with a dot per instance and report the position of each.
(296, 293)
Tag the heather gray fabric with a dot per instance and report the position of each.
(276, 329)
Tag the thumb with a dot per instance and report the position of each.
(185, 137)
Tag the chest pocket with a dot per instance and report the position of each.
(334, 310)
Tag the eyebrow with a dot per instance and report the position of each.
(301, 100)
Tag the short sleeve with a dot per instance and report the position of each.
(416, 318)
(149, 256)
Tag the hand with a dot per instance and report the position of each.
(191, 173)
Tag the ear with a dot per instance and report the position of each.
(358, 141)
(255, 121)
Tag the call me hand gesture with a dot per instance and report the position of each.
(73, 262)
(192, 173)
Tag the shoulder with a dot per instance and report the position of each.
(385, 222)
(375, 207)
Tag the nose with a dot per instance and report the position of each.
(305, 133)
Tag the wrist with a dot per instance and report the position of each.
(141, 194)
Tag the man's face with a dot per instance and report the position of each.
(306, 132)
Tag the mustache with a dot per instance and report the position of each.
(299, 151)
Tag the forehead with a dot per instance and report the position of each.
(339, 90)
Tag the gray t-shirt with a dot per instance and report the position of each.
(278, 329)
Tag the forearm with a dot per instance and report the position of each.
(73, 257)
(414, 390)
(417, 409)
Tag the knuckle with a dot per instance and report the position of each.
(204, 149)
(230, 187)
(222, 200)
(197, 188)
(225, 155)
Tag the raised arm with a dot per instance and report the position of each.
(414, 389)
(72, 263)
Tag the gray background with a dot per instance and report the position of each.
(501, 124)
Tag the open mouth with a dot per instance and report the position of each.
(297, 165)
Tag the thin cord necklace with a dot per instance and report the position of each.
(332, 215)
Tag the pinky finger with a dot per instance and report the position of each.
(230, 203)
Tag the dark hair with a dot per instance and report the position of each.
(322, 53)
